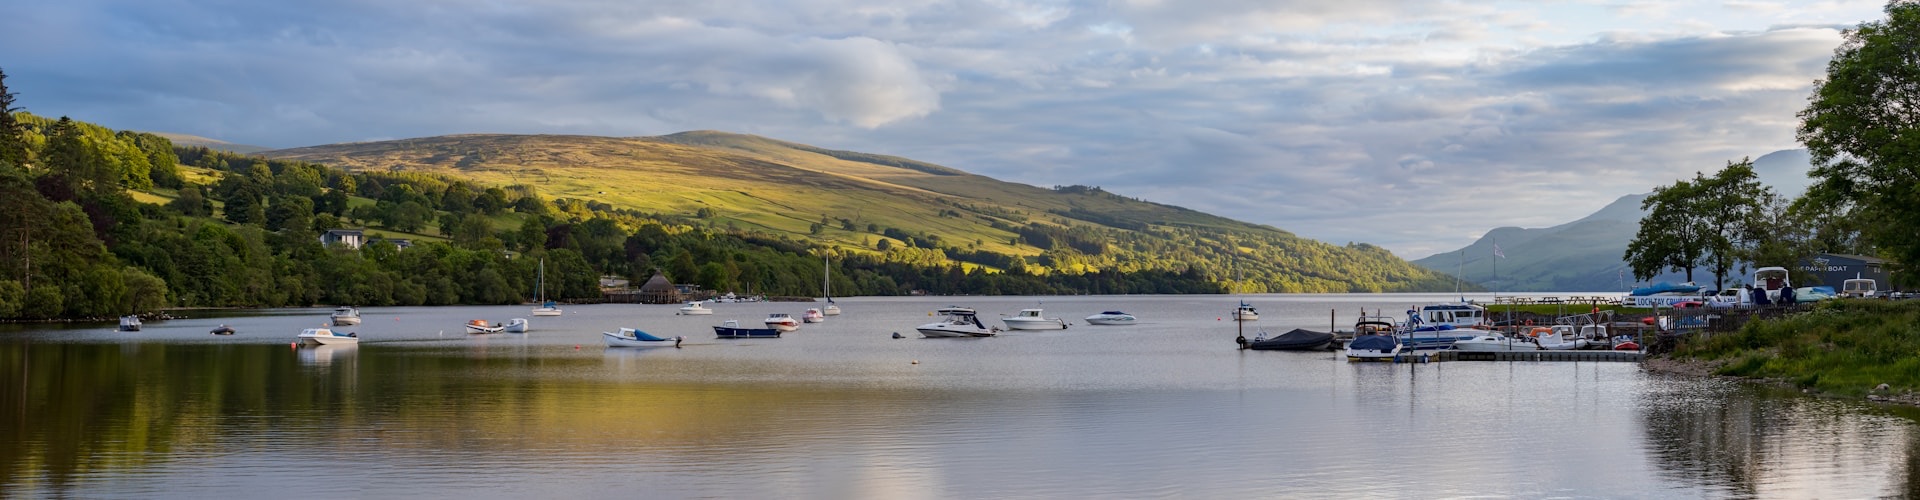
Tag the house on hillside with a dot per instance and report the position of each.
(351, 238)
(400, 243)
(1832, 269)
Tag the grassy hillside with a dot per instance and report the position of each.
(855, 201)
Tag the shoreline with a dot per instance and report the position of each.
(1666, 364)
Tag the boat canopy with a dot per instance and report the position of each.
(1374, 342)
(950, 310)
(1112, 312)
(637, 334)
(550, 305)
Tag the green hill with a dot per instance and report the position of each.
(880, 204)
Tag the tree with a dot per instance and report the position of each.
(191, 202)
(1732, 208)
(13, 142)
(1862, 125)
(1670, 237)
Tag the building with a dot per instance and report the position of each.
(401, 243)
(658, 290)
(350, 238)
(1832, 269)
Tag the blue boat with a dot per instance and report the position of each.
(1438, 326)
(1664, 287)
(732, 330)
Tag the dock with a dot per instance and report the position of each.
(1452, 355)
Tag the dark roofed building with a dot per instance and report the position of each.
(659, 290)
(1832, 269)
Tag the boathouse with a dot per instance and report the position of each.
(1832, 269)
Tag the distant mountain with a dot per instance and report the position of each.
(897, 208)
(194, 140)
(1585, 255)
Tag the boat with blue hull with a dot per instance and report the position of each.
(1438, 326)
(732, 330)
(1666, 288)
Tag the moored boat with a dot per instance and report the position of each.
(629, 337)
(345, 315)
(1297, 340)
(547, 307)
(831, 309)
(1111, 318)
(1373, 348)
(222, 330)
(695, 308)
(1496, 341)
(956, 322)
(1030, 319)
(732, 330)
(129, 323)
(782, 321)
(481, 326)
(517, 325)
(813, 316)
(1438, 326)
(326, 336)
(1245, 312)
(1558, 338)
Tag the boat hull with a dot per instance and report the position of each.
(617, 340)
(784, 327)
(517, 326)
(832, 310)
(484, 329)
(346, 320)
(946, 332)
(1476, 345)
(1110, 320)
(695, 312)
(546, 312)
(745, 333)
(329, 340)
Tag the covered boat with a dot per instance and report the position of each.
(1296, 340)
(1373, 348)
(732, 330)
(629, 337)
(222, 330)
(345, 315)
(1666, 288)
(1111, 318)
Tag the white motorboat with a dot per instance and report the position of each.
(628, 337)
(956, 322)
(324, 336)
(1245, 312)
(517, 325)
(345, 315)
(1557, 338)
(1438, 326)
(129, 323)
(694, 309)
(547, 307)
(1111, 318)
(481, 326)
(1030, 319)
(1496, 341)
(813, 316)
(782, 322)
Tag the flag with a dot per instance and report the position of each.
(1496, 251)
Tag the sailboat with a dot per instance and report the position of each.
(547, 307)
(826, 286)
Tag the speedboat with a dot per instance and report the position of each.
(1030, 319)
(1296, 340)
(547, 309)
(324, 336)
(517, 325)
(782, 322)
(222, 330)
(129, 323)
(629, 337)
(1557, 338)
(1111, 318)
(345, 315)
(813, 316)
(1373, 348)
(481, 326)
(694, 309)
(1245, 312)
(956, 322)
(732, 330)
(1438, 326)
(1496, 341)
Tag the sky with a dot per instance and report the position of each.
(1415, 125)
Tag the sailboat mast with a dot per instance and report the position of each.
(541, 281)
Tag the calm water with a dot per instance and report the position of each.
(1167, 408)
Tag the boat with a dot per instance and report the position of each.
(1111, 318)
(129, 323)
(1030, 319)
(695, 309)
(1665, 287)
(1558, 338)
(1626, 345)
(1438, 326)
(628, 337)
(1770, 279)
(826, 287)
(324, 336)
(222, 330)
(481, 326)
(1245, 313)
(1496, 341)
(1374, 347)
(547, 307)
(813, 316)
(345, 315)
(956, 322)
(517, 325)
(1813, 294)
(1859, 287)
(732, 330)
(1297, 340)
(782, 322)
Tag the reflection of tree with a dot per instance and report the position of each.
(1702, 436)
(1762, 441)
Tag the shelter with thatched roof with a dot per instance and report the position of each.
(659, 290)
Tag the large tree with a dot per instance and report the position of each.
(13, 142)
(1862, 125)
(1671, 237)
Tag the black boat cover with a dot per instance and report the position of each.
(1296, 340)
(1374, 342)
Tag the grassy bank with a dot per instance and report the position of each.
(1842, 347)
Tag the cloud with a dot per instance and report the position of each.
(1412, 125)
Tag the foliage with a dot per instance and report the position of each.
(1716, 221)
(1862, 125)
(1842, 346)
